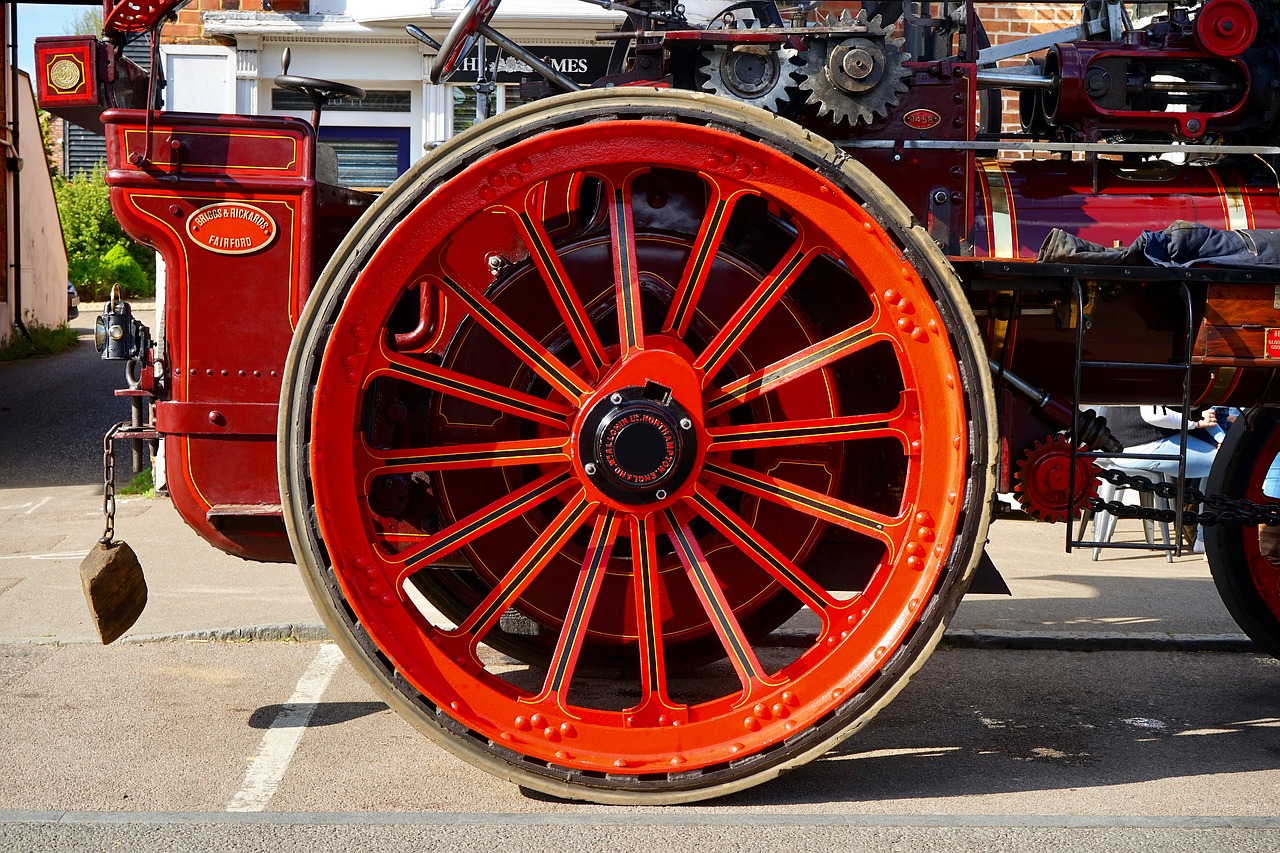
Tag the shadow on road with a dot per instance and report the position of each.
(325, 713)
(54, 412)
(1035, 723)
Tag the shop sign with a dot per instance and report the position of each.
(581, 64)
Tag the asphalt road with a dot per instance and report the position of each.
(146, 746)
(54, 412)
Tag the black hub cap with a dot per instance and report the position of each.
(637, 446)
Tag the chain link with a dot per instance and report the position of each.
(1218, 509)
(109, 483)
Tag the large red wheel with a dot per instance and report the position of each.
(615, 384)
(1245, 559)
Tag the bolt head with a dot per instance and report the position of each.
(590, 468)
(616, 399)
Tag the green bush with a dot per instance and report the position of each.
(119, 267)
(91, 231)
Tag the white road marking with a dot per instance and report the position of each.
(58, 555)
(268, 767)
(37, 506)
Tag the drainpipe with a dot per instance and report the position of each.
(14, 164)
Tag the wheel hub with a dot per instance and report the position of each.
(637, 445)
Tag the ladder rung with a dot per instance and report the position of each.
(1159, 457)
(1134, 365)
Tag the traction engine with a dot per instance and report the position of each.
(604, 396)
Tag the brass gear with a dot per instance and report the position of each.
(1043, 481)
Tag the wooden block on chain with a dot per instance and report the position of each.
(114, 588)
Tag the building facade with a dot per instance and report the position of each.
(222, 56)
(33, 272)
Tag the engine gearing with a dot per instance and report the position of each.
(754, 74)
(858, 78)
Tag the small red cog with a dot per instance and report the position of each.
(1043, 481)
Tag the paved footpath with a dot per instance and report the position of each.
(1127, 599)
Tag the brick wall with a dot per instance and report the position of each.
(1008, 22)
(189, 27)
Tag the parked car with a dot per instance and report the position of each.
(73, 302)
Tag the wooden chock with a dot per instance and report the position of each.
(114, 588)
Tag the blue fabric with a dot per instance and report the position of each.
(1182, 244)
(1199, 457)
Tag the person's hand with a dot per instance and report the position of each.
(1208, 419)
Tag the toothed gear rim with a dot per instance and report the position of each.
(855, 79)
(1043, 482)
(758, 75)
(912, 323)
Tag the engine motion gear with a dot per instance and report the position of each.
(858, 78)
(756, 74)
(1043, 483)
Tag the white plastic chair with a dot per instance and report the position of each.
(1104, 523)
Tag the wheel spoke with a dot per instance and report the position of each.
(895, 424)
(460, 457)
(473, 390)
(565, 659)
(654, 699)
(684, 303)
(526, 569)
(804, 500)
(562, 292)
(757, 306)
(477, 524)
(741, 654)
(514, 338)
(626, 272)
(793, 367)
(765, 555)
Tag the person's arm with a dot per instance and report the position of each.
(1161, 416)
(1166, 418)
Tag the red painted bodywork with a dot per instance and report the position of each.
(136, 16)
(228, 317)
(1020, 202)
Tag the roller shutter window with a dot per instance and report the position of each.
(369, 158)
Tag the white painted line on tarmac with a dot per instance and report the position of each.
(37, 506)
(57, 555)
(268, 767)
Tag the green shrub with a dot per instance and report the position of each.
(119, 267)
(91, 231)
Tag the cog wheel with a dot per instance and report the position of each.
(855, 79)
(755, 74)
(1043, 481)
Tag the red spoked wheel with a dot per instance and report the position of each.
(610, 387)
(1245, 559)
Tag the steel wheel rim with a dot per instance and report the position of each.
(827, 673)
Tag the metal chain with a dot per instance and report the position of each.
(109, 483)
(1219, 509)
